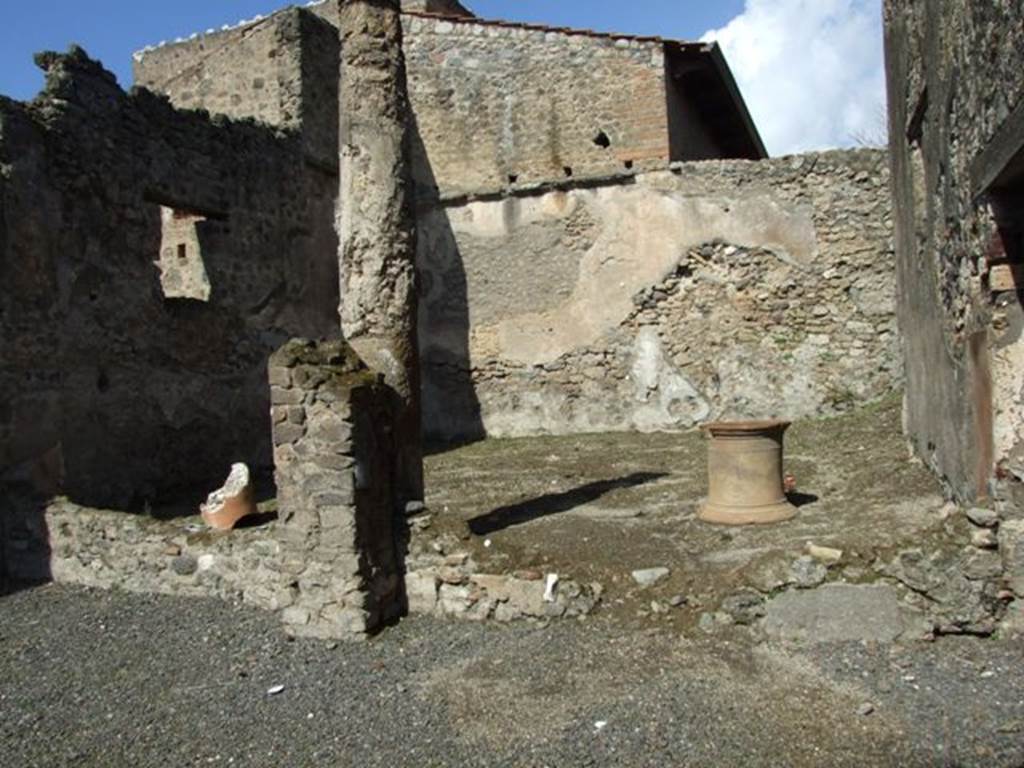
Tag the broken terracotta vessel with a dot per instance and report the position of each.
(745, 473)
(236, 500)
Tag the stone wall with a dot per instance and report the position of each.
(443, 7)
(327, 554)
(30, 327)
(720, 288)
(118, 391)
(204, 72)
(281, 70)
(956, 80)
(497, 105)
(268, 567)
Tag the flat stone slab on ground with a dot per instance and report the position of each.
(837, 612)
(648, 577)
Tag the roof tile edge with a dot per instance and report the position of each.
(535, 27)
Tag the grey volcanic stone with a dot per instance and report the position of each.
(983, 518)
(837, 612)
(1011, 544)
(745, 607)
(807, 572)
(184, 565)
(959, 598)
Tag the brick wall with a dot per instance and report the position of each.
(503, 106)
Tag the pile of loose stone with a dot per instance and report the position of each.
(965, 577)
(442, 579)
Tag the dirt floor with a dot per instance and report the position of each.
(594, 508)
(98, 679)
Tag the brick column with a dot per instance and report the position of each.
(334, 464)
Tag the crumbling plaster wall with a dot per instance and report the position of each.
(955, 76)
(150, 393)
(721, 288)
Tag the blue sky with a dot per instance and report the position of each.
(810, 70)
(112, 29)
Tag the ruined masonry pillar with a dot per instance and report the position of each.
(376, 220)
(333, 464)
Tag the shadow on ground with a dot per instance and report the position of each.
(798, 499)
(553, 503)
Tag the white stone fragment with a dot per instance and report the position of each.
(824, 554)
(549, 590)
(235, 484)
(650, 576)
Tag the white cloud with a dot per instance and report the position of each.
(811, 71)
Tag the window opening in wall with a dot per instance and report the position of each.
(512, 178)
(602, 140)
(1005, 254)
(183, 272)
(628, 165)
(997, 176)
(568, 171)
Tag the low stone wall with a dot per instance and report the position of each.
(265, 566)
(966, 577)
(332, 561)
(714, 289)
(136, 553)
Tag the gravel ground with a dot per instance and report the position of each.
(108, 679)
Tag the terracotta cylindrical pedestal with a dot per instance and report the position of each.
(226, 506)
(745, 473)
